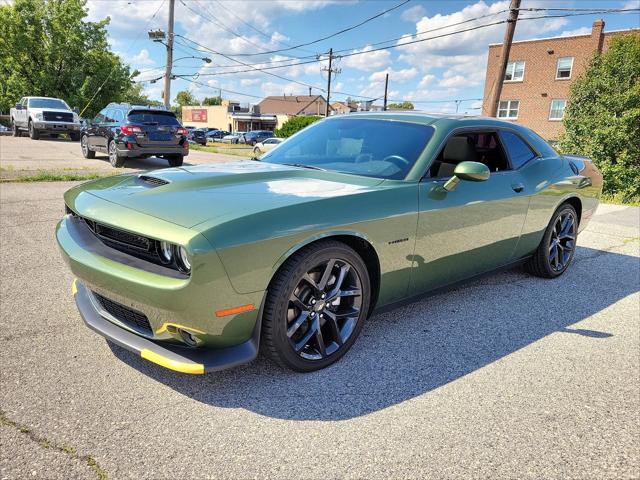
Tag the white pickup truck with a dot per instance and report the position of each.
(44, 115)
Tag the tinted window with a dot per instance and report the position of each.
(373, 148)
(518, 151)
(152, 118)
(47, 103)
(101, 116)
(118, 116)
(108, 118)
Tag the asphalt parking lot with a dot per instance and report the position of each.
(508, 377)
(22, 157)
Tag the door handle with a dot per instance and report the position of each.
(517, 187)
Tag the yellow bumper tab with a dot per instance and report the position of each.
(74, 287)
(192, 368)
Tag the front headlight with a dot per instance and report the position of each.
(183, 260)
(39, 116)
(165, 252)
(76, 118)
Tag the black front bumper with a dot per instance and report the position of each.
(173, 357)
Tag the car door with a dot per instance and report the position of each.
(475, 227)
(93, 129)
(21, 115)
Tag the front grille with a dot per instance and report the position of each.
(153, 181)
(128, 316)
(131, 243)
(57, 116)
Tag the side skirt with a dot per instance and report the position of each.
(414, 298)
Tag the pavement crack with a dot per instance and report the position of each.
(44, 442)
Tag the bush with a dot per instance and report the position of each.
(295, 124)
(602, 118)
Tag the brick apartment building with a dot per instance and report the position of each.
(539, 75)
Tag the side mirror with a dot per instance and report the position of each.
(76, 110)
(468, 171)
(18, 106)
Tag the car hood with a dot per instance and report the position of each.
(193, 195)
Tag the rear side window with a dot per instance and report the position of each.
(519, 152)
(152, 118)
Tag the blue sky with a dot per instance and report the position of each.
(442, 69)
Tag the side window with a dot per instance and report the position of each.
(482, 147)
(108, 118)
(100, 118)
(118, 116)
(518, 150)
(563, 69)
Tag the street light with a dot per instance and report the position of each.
(204, 59)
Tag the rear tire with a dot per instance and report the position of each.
(33, 133)
(86, 151)
(115, 160)
(317, 304)
(557, 248)
(176, 160)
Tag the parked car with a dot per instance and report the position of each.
(3, 128)
(128, 131)
(217, 134)
(198, 136)
(199, 267)
(256, 136)
(267, 145)
(44, 115)
(233, 138)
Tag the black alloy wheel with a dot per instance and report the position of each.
(317, 305)
(114, 158)
(33, 133)
(558, 245)
(16, 130)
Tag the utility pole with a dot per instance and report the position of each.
(496, 91)
(386, 86)
(167, 73)
(329, 70)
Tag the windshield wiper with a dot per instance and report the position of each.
(302, 165)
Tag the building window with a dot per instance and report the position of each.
(565, 64)
(514, 72)
(508, 109)
(557, 109)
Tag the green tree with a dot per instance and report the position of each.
(212, 101)
(602, 118)
(135, 96)
(295, 124)
(48, 49)
(185, 98)
(401, 106)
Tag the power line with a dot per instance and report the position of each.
(335, 34)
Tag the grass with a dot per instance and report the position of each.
(45, 176)
(618, 199)
(230, 149)
(48, 444)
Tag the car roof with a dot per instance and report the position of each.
(435, 119)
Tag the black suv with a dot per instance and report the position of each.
(126, 131)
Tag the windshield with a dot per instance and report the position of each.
(373, 148)
(152, 118)
(47, 103)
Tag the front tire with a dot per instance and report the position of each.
(74, 136)
(115, 160)
(316, 307)
(33, 133)
(256, 151)
(558, 245)
(15, 130)
(86, 151)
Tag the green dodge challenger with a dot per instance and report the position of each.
(197, 268)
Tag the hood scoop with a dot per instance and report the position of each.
(151, 182)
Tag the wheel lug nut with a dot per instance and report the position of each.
(313, 302)
(323, 295)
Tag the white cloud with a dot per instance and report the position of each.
(399, 76)
(142, 58)
(632, 4)
(413, 14)
(369, 61)
(301, 5)
(576, 31)
(248, 82)
(272, 88)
